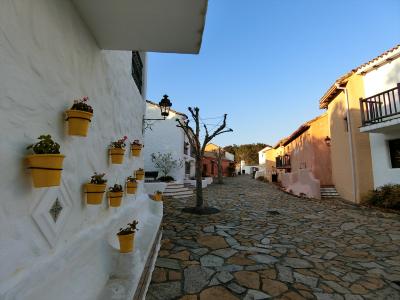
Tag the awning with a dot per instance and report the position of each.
(174, 26)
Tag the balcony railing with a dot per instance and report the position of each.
(381, 107)
(282, 162)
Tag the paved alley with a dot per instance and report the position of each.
(266, 244)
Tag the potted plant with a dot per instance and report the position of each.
(95, 189)
(115, 195)
(117, 150)
(140, 174)
(46, 162)
(126, 237)
(157, 196)
(131, 185)
(79, 116)
(136, 147)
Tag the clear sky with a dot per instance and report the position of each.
(266, 63)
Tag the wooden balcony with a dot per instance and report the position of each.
(381, 107)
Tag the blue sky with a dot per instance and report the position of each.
(266, 63)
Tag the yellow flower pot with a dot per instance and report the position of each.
(117, 155)
(139, 175)
(78, 122)
(131, 187)
(46, 169)
(94, 193)
(135, 150)
(126, 242)
(157, 197)
(115, 198)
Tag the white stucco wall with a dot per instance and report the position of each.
(48, 58)
(376, 81)
(164, 137)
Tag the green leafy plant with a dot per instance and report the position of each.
(45, 145)
(119, 143)
(158, 192)
(98, 178)
(387, 196)
(116, 188)
(131, 228)
(165, 162)
(130, 179)
(81, 104)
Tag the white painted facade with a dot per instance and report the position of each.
(247, 169)
(262, 156)
(376, 81)
(164, 137)
(49, 57)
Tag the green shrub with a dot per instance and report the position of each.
(387, 196)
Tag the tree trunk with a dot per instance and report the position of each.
(219, 157)
(199, 182)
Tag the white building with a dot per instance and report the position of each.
(51, 52)
(381, 115)
(165, 137)
(248, 169)
(262, 159)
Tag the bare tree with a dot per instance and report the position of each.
(199, 148)
(219, 153)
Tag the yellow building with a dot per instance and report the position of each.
(350, 149)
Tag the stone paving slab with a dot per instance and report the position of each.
(266, 244)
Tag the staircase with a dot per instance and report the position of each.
(177, 190)
(329, 191)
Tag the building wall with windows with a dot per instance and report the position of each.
(164, 137)
(48, 58)
(384, 142)
(310, 151)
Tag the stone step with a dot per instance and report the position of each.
(182, 196)
(329, 192)
(175, 187)
(188, 192)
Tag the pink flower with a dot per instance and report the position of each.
(125, 137)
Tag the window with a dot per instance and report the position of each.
(394, 148)
(137, 70)
(346, 124)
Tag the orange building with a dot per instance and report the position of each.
(210, 162)
(303, 160)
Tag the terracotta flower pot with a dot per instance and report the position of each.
(117, 155)
(115, 198)
(126, 242)
(139, 175)
(135, 150)
(78, 122)
(46, 169)
(157, 197)
(131, 187)
(94, 193)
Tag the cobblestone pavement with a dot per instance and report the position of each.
(266, 244)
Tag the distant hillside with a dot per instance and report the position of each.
(246, 152)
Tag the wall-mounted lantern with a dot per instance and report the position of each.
(165, 106)
(327, 141)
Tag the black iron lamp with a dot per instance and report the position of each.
(165, 106)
